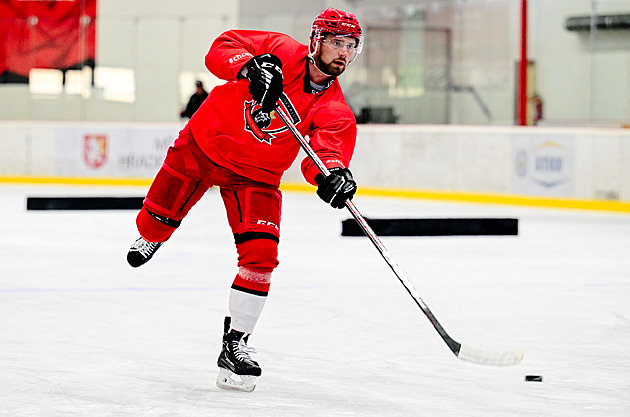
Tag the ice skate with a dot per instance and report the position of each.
(237, 370)
(141, 251)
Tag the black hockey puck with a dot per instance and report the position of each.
(534, 378)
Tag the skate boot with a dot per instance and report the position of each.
(141, 251)
(237, 370)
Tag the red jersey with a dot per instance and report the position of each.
(224, 125)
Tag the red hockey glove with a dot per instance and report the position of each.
(336, 187)
(264, 73)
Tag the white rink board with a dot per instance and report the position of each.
(584, 163)
(101, 150)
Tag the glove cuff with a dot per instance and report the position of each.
(242, 73)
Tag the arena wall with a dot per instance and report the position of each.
(586, 164)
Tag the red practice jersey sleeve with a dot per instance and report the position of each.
(225, 125)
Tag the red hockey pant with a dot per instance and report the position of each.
(253, 208)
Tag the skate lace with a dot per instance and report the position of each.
(242, 351)
(246, 348)
(146, 248)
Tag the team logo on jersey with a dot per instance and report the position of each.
(265, 125)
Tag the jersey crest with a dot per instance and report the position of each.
(263, 126)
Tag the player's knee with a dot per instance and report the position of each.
(155, 228)
(258, 255)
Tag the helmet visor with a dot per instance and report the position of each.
(350, 44)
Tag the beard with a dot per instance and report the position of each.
(330, 68)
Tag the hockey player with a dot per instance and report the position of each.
(235, 142)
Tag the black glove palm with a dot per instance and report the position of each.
(264, 73)
(337, 187)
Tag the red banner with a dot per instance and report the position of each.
(57, 34)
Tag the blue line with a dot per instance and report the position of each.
(304, 288)
(120, 289)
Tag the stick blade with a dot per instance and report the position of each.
(486, 357)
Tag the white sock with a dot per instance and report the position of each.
(245, 310)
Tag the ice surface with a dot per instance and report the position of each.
(84, 334)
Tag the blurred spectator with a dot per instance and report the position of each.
(195, 101)
(537, 107)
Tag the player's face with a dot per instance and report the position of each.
(335, 53)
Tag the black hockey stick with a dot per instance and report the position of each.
(463, 352)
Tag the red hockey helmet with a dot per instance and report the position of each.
(339, 23)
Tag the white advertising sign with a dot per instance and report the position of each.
(128, 152)
(543, 166)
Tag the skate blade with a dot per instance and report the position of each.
(229, 380)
